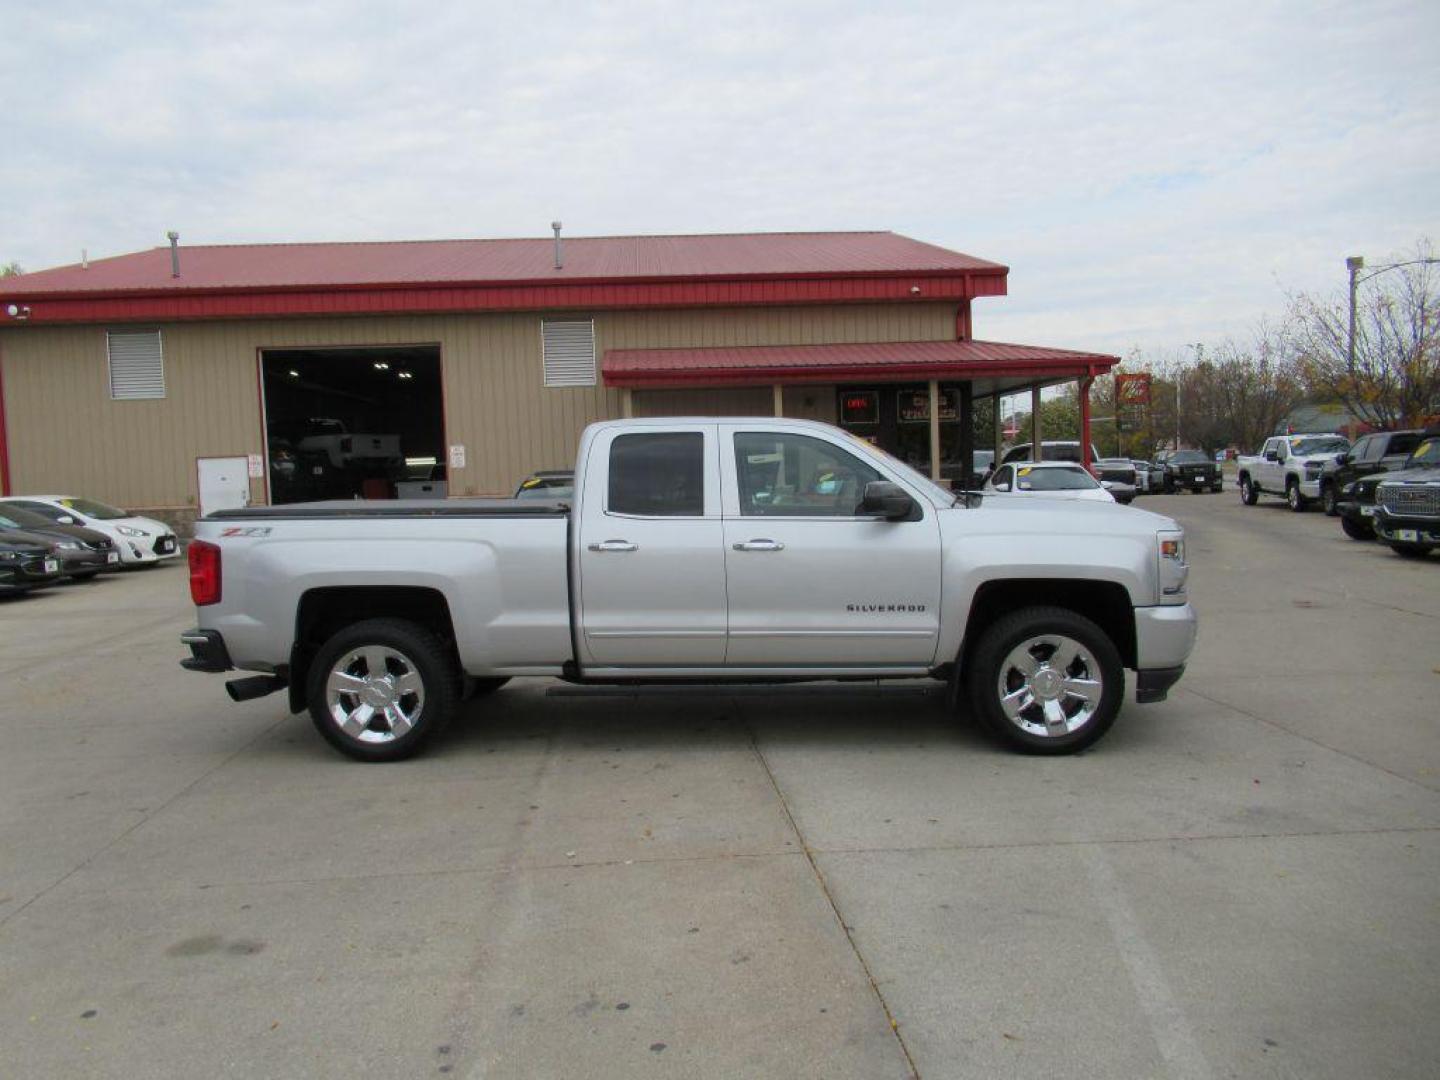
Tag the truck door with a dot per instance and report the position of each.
(1271, 468)
(811, 582)
(651, 565)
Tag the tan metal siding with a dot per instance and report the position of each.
(720, 401)
(66, 434)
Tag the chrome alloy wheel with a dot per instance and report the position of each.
(1050, 686)
(374, 694)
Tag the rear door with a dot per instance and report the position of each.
(651, 561)
(812, 583)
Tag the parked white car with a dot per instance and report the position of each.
(138, 539)
(1047, 480)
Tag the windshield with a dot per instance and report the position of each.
(1324, 445)
(1188, 457)
(91, 508)
(1028, 478)
(933, 490)
(1426, 454)
(547, 487)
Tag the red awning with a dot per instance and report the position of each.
(885, 362)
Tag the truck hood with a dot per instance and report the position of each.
(1071, 515)
(1410, 476)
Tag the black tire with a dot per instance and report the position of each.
(430, 710)
(1410, 551)
(474, 688)
(1357, 530)
(88, 575)
(988, 664)
(1249, 493)
(1293, 498)
(1215, 489)
(1328, 500)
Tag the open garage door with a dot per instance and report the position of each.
(342, 423)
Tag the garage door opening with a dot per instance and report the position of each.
(347, 423)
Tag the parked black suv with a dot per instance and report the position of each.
(1407, 501)
(1193, 469)
(1379, 452)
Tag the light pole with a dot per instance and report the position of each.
(1354, 264)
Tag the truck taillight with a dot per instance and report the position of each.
(204, 573)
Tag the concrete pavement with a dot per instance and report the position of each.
(805, 882)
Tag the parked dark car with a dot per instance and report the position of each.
(547, 484)
(83, 552)
(26, 562)
(1407, 502)
(1382, 451)
(1193, 469)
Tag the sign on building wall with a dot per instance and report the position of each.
(457, 456)
(915, 406)
(860, 407)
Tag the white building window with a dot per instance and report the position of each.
(137, 365)
(569, 348)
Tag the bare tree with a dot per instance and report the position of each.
(11, 269)
(1394, 379)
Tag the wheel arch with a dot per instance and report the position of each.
(325, 610)
(1105, 603)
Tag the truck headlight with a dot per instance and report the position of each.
(1313, 469)
(1172, 570)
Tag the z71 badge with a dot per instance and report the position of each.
(246, 530)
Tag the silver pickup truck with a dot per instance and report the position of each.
(701, 551)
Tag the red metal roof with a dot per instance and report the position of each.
(470, 262)
(827, 363)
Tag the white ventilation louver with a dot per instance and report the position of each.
(569, 346)
(137, 366)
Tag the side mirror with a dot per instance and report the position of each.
(1272, 455)
(885, 499)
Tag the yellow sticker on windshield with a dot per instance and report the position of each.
(532, 482)
(1025, 472)
(67, 502)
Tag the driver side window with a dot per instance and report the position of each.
(784, 475)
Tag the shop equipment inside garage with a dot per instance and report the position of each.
(348, 423)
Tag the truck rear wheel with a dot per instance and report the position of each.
(1046, 681)
(380, 689)
(1249, 493)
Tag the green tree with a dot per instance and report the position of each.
(11, 269)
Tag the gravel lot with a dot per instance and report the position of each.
(1242, 881)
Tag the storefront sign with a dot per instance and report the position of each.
(914, 406)
(860, 407)
(1133, 389)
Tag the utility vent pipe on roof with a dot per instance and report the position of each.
(174, 238)
(559, 262)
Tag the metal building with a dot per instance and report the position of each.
(150, 380)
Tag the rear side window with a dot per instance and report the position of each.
(659, 475)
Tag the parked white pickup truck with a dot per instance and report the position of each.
(1298, 468)
(696, 550)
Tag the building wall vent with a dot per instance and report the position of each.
(569, 346)
(137, 364)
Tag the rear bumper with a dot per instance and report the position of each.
(207, 652)
(1153, 684)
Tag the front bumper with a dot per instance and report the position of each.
(1164, 636)
(1393, 527)
(1310, 488)
(207, 652)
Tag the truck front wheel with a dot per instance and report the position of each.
(1293, 498)
(1249, 493)
(382, 688)
(1046, 680)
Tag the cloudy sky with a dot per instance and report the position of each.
(1154, 174)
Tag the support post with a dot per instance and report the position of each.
(967, 436)
(999, 430)
(934, 429)
(627, 405)
(1035, 450)
(779, 396)
(1085, 382)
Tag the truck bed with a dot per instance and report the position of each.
(399, 508)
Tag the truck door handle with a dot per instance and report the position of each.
(614, 545)
(760, 545)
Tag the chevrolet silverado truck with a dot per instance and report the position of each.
(696, 551)
(1297, 468)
